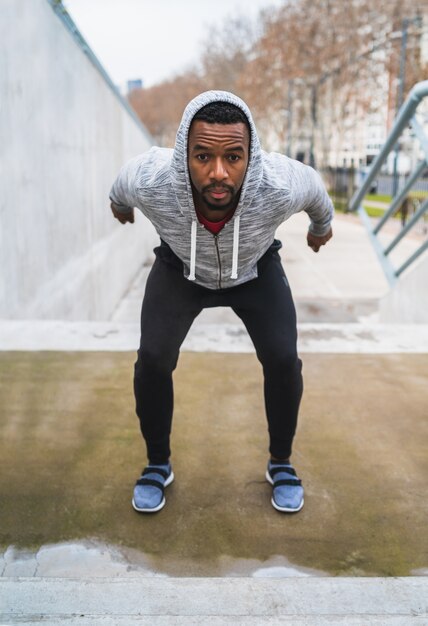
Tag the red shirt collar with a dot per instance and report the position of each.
(214, 227)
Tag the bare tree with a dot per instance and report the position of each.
(305, 69)
(160, 107)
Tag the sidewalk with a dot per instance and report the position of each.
(71, 451)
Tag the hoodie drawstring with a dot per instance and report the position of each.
(235, 249)
(193, 251)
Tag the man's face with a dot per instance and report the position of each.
(218, 158)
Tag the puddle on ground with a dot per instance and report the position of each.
(96, 559)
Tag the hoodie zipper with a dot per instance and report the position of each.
(218, 260)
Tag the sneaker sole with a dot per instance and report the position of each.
(276, 506)
(162, 502)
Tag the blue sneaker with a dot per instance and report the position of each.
(287, 494)
(149, 488)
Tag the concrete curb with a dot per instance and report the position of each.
(37, 335)
(395, 601)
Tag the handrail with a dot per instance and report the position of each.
(406, 116)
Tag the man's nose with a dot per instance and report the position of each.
(218, 171)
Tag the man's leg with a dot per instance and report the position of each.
(266, 307)
(169, 307)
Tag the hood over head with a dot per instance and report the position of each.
(179, 164)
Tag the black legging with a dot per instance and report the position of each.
(171, 303)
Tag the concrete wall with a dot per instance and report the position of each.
(407, 302)
(64, 136)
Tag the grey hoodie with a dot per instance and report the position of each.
(275, 187)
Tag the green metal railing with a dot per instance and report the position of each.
(406, 117)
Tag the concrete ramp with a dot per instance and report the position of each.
(65, 133)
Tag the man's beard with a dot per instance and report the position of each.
(220, 207)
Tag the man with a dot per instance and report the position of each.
(405, 208)
(216, 201)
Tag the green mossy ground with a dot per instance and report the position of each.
(71, 451)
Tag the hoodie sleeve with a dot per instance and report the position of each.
(309, 194)
(124, 190)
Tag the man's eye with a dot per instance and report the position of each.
(233, 158)
(202, 157)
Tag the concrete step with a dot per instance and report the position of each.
(179, 601)
(210, 335)
(200, 620)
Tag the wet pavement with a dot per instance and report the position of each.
(71, 451)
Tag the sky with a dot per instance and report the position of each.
(153, 39)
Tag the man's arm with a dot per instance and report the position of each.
(121, 215)
(319, 207)
(315, 242)
(123, 194)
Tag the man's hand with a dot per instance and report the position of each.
(122, 217)
(315, 242)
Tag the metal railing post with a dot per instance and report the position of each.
(405, 117)
(419, 91)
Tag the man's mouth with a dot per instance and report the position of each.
(218, 192)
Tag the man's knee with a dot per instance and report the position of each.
(281, 359)
(155, 359)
